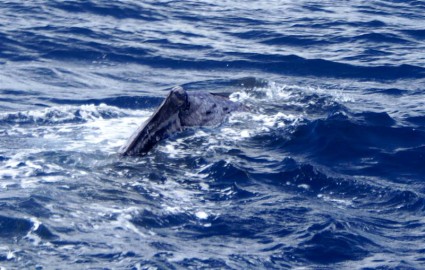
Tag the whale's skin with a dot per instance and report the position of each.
(180, 109)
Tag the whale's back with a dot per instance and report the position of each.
(179, 110)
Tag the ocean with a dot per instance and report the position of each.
(326, 170)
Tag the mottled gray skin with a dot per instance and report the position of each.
(178, 111)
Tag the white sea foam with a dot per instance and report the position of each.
(9, 254)
(201, 215)
(240, 126)
(105, 128)
(341, 203)
(50, 132)
(64, 114)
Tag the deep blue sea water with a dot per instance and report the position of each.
(326, 171)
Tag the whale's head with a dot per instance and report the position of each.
(178, 97)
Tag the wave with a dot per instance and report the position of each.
(336, 141)
(272, 38)
(331, 242)
(87, 45)
(12, 227)
(61, 115)
(116, 10)
(381, 38)
(122, 102)
(419, 121)
(391, 91)
(418, 34)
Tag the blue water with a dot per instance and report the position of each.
(326, 171)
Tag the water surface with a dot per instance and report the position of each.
(325, 171)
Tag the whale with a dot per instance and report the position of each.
(180, 110)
